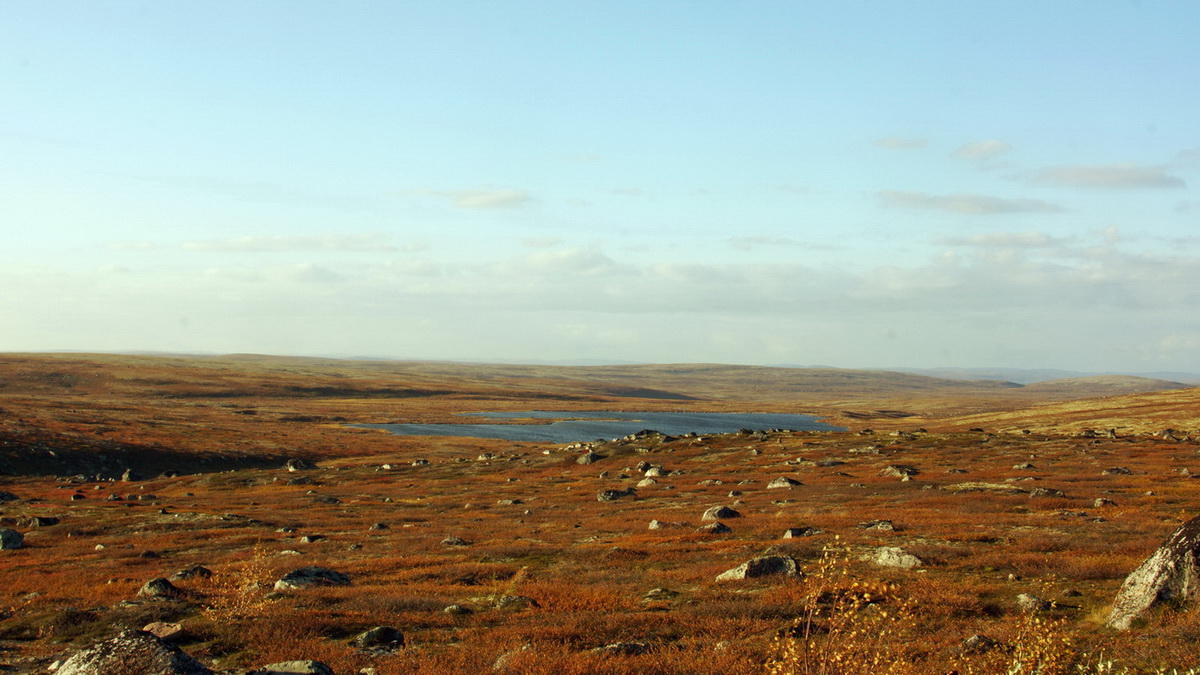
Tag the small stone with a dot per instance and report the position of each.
(797, 532)
(458, 610)
(455, 541)
(783, 482)
(1032, 603)
(714, 528)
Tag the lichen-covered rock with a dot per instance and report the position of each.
(1172, 573)
(294, 668)
(716, 527)
(311, 576)
(159, 589)
(894, 556)
(719, 512)
(132, 652)
(771, 565)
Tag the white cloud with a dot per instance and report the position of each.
(368, 242)
(1007, 240)
(748, 243)
(481, 198)
(981, 151)
(1108, 177)
(965, 203)
(541, 242)
(901, 143)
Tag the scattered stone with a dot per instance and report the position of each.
(1102, 502)
(11, 539)
(624, 649)
(772, 565)
(714, 528)
(720, 513)
(420, 461)
(516, 602)
(661, 525)
(130, 476)
(614, 495)
(1116, 471)
(1032, 603)
(455, 541)
(379, 638)
(294, 668)
(1024, 466)
(980, 644)
(311, 576)
(130, 652)
(881, 525)
(311, 538)
(299, 464)
(796, 532)
(378, 526)
(164, 630)
(656, 472)
(783, 482)
(458, 610)
(660, 594)
(588, 458)
(159, 589)
(1046, 492)
(894, 556)
(646, 482)
(193, 572)
(509, 502)
(1169, 575)
(899, 471)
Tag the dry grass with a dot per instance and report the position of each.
(984, 535)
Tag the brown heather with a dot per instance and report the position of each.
(227, 425)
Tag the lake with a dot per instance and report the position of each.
(592, 425)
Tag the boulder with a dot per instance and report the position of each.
(298, 464)
(193, 572)
(899, 471)
(783, 482)
(796, 532)
(10, 539)
(1032, 603)
(455, 541)
(1170, 574)
(132, 652)
(771, 565)
(159, 589)
(294, 668)
(311, 576)
(589, 458)
(719, 512)
(165, 630)
(882, 525)
(714, 528)
(893, 556)
(614, 495)
(380, 638)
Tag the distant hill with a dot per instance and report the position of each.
(1032, 375)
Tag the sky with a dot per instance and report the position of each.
(854, 184)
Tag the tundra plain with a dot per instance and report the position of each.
(1055, 490)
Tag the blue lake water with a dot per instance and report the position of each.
(591, 425)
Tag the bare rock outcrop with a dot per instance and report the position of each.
(1170, 574)
(132, 652)
(771, 565)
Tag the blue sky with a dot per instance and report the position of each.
(858, 184)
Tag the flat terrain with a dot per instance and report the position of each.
(1002, 501)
